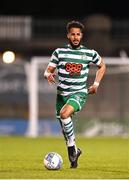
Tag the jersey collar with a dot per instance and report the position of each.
(69, 46)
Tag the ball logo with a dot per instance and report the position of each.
(73, 69)
(53, 161)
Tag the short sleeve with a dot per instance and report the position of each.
(96, 58)
(54, 59)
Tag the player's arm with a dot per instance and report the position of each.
(49, 74)
(99, 75)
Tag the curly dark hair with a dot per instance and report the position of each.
(74, 24)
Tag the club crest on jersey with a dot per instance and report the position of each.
(84, 57)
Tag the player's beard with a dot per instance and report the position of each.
(73, 45)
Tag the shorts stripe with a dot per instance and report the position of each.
(76, 102)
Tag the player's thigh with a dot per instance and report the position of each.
(77, 101)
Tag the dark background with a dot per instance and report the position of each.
(55, 8)
(48, 25)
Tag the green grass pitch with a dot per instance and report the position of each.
(102, 158)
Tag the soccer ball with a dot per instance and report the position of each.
(53, 161)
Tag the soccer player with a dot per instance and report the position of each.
(72, 64)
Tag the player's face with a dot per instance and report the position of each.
(75, 36)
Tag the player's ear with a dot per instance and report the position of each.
(68, 35)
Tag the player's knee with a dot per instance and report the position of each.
(64, 114)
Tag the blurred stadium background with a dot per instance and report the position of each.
(34, 39)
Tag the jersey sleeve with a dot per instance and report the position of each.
(96, 58)
(54, 59)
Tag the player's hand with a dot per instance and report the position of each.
(51, 78)
(92, 89)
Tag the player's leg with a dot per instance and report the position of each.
(73, 104)
(67, 129)
(67, 124)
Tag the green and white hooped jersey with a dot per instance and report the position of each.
(73, 68)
